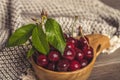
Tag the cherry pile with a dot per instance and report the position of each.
(77, 55)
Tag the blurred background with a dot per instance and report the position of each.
(113, 3)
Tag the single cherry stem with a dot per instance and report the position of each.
(44, 13)
(36, 20)
(73, 24)
(82, 35)
(43, 18)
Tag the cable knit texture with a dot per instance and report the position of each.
(94, 17)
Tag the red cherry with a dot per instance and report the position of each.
(71, 40)
(69, 54)
(42, 60)
(82, 43)
(84, 40)
(83, 63)
(74, 65)
(51, 66)
(54, 56)
(88, 52)
(63, 65)
(70, 45)
(79, 54)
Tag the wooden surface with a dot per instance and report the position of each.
(107, 67)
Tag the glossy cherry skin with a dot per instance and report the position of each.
(42, 60)
(70, 45)
(71, 40)
(83, 63)
(54, 56)
(79, 54)
(82, 43)
(63, 65)
(84, 40)
(88, 53)
(69, 54)
(74, 65)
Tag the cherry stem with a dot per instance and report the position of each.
(36, 20)
(82, 35)
(73, 24)
(43, 18)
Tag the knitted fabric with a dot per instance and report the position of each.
(94, 17)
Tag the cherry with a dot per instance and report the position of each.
(88, 52)
(63, 65)
(74, 65)
(84, 40)
(83, 63)
(79, 54)
(70, 45)
(51, 66)
(71, 40)
(69, 54)
(54, 56)
(42, 60)
(83, 43)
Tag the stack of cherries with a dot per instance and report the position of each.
(77, 55)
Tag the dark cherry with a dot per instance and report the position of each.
(51, 66)
(69, 54)
(79, 54)
(74, 65)
(83, 63)
(82, 43)
(85, 41)
(63, 65)
(54, 56)
(88, 52)
(70, 45)
(42, 60)
(71, 40)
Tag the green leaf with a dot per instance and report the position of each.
(21, 35)
(30, 52)
(39, 40)
(55, 35)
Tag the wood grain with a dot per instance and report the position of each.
(107, 67)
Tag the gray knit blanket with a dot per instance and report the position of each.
(94, 17)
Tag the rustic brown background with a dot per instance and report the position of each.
(107, 67)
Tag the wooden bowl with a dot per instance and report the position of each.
(98, 43)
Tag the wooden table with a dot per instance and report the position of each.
(107, 67)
